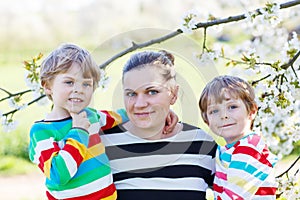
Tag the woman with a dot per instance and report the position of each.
(146, 163)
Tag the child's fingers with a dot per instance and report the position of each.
(171, 122)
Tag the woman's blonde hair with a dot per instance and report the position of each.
(162, 60)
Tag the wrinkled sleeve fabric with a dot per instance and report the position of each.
(247, 174)
(110, 119)
(58, 160)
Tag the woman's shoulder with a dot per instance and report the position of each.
(116, 129)
(196, 132)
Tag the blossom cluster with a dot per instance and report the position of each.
(273, 70)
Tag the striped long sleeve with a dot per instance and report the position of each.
(73, 159)
(244, 170)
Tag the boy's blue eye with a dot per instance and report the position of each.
(87, 84)
(213, 111)
(233, 107)
(69, 82)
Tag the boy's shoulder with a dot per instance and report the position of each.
(253, 140)
(255, 145)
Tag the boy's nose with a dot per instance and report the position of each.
(224, 115)
(77, 88)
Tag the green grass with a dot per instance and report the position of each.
(10, 165)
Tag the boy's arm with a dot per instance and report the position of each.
(59, 161)
(110, 119)
(249, 174)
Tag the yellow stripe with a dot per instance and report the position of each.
(116, 116)
(246, 185)
(81, 147)
(94, 151)
(47, 165)
(112, 197)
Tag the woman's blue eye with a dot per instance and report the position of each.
(152, 92)
(130, 94)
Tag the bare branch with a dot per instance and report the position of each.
(292, 165)
(136, 46)
(291, 62)
(13, 94)
(236, 18)
(31, 102)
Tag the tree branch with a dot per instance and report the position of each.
(31, 102)
(12, 95)
(292, 165)
(136, 46)
(236, 18)
(291, 62)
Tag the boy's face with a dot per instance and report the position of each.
(70, 92)
(230, 118)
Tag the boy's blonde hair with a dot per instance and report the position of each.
(235, 86)
(61, 59)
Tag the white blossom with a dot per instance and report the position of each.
(206, 57)
(189, 21)
(294, 42)
(104, 80)
(43, 101)
(33, 85)
(9, 125)
(12, 103)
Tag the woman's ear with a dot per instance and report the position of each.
(174, 95)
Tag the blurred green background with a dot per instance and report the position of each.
(104, 27)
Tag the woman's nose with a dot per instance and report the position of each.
(140, 101)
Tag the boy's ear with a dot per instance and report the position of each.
(252, 114)
(47, 89)
(175, 95)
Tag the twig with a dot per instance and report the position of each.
(12, 95)
(136, 46)
(31, 102)
(292, 165)
(291, 61)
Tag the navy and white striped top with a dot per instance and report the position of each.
(178, 167)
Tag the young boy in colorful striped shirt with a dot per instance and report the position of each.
(244, 166)
(66, 145)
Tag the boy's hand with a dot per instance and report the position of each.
(80, 120)
(171, 122)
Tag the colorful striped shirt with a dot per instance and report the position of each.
(73, 159)
(180, 167)
(245, 170)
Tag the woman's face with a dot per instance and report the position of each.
(147, 98)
